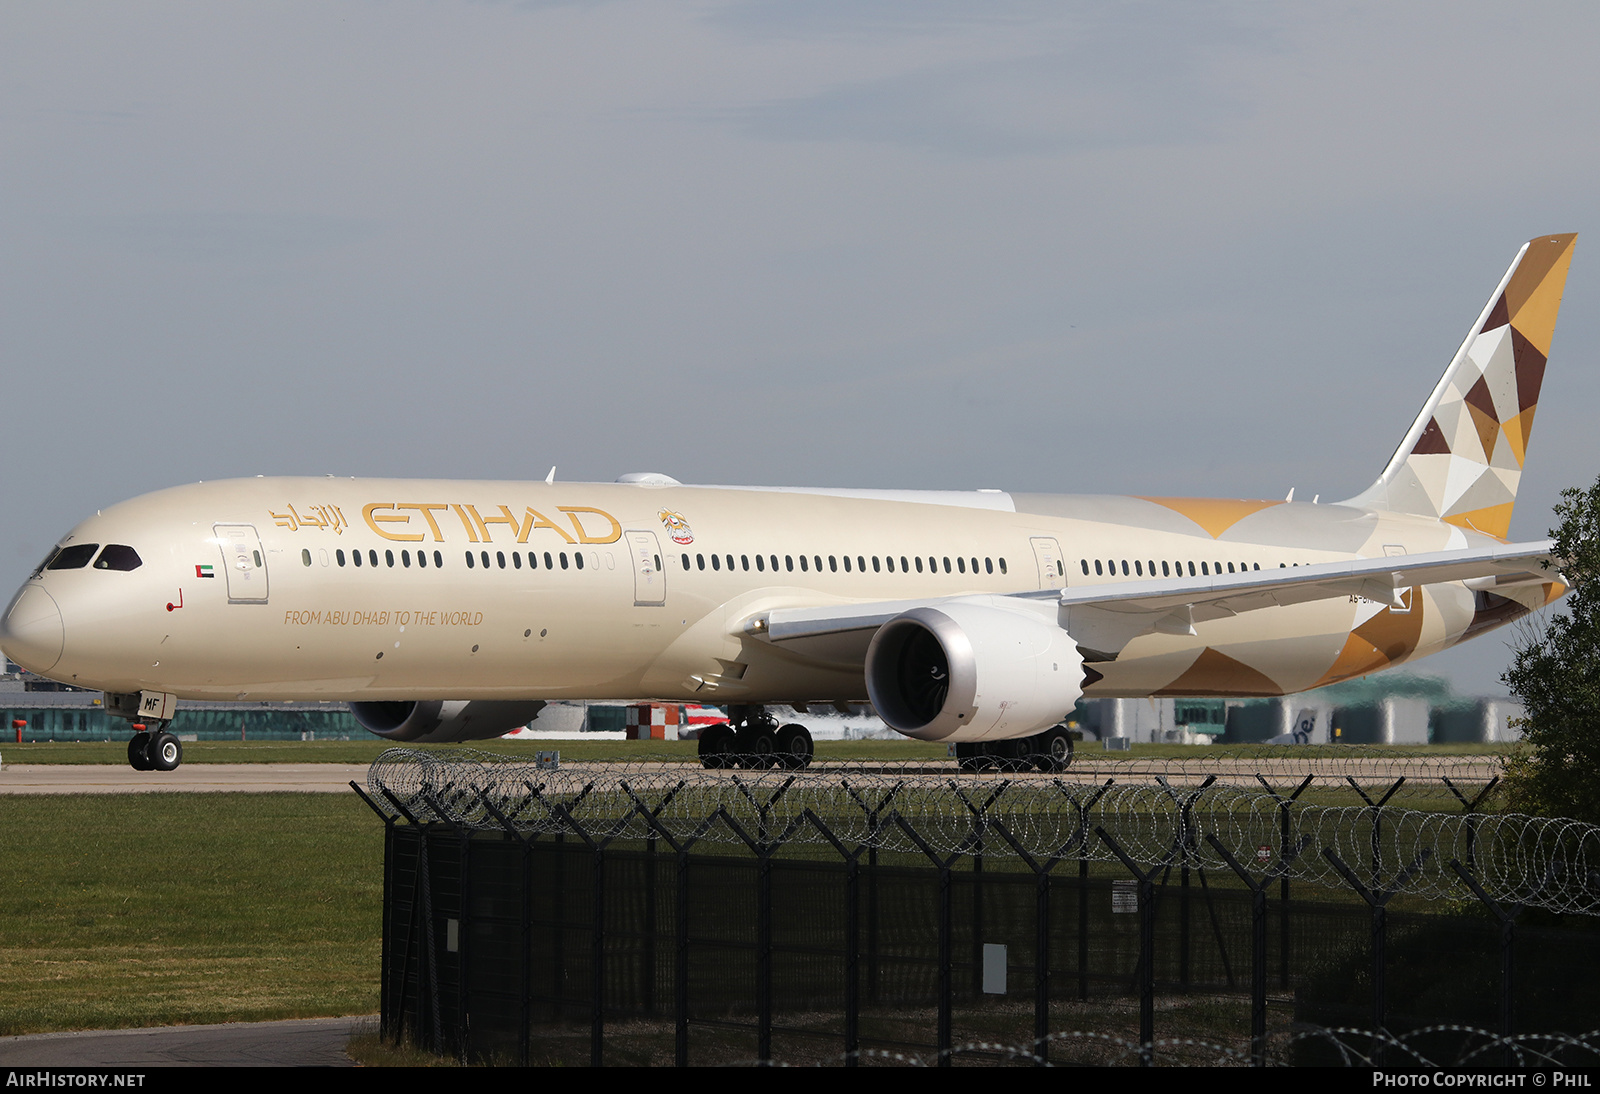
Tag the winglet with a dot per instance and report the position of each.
(1462, 458)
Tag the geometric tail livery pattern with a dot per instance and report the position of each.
(1462, 458)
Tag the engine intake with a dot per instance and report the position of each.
(972, 672)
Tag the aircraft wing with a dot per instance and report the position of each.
(1106, 617)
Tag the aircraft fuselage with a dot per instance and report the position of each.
(373, 589)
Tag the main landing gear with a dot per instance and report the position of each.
(1049, 751)
(752, 739)
(157, 751)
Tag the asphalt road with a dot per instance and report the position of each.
(307, 1042)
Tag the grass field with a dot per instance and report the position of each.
(153, 909)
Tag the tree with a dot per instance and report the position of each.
(1556, 673)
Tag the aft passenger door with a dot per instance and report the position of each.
(244, 563)
(649, 576)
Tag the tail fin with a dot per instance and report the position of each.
(1462, 458)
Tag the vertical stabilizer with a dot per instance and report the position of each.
(1462, 458)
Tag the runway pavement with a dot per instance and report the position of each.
(306, 1042)
(195, 778)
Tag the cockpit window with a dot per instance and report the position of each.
(48, 559)
(73, 558)
(118, 556)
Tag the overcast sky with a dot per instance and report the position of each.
(1202, 248)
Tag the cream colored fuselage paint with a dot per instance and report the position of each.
(511, 629)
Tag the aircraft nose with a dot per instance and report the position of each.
(32, 633)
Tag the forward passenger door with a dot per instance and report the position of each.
(244, 563)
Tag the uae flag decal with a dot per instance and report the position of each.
(204, 571)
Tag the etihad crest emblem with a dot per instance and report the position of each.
(676, 526)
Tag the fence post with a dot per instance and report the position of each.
(764, 847)
(524, 922)
(1507, 917)
(1081, 836)
(1285, 834)
(1185, 841)
(1377, 823)
(873, 826)
(597, 933)
(1041, 913)
(1147, 942)
(945, 930)
(385, 1018)
(852, 939)
(1377, 899)
(1470, 809)
(1258, 939)
(680, 968)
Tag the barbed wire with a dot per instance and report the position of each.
(1350, 1047)
(1339, 834)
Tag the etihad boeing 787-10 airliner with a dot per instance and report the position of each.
(452, 611)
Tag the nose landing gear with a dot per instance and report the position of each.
(158, 751)
(153, 747)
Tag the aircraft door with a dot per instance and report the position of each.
(649, 575)
(244, 562)
(1052, 570)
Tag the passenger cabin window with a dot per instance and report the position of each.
(305, 558)
(118, 556)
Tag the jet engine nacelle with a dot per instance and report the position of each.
(973, 672)
(442, 721)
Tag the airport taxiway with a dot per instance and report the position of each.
(193, 778)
